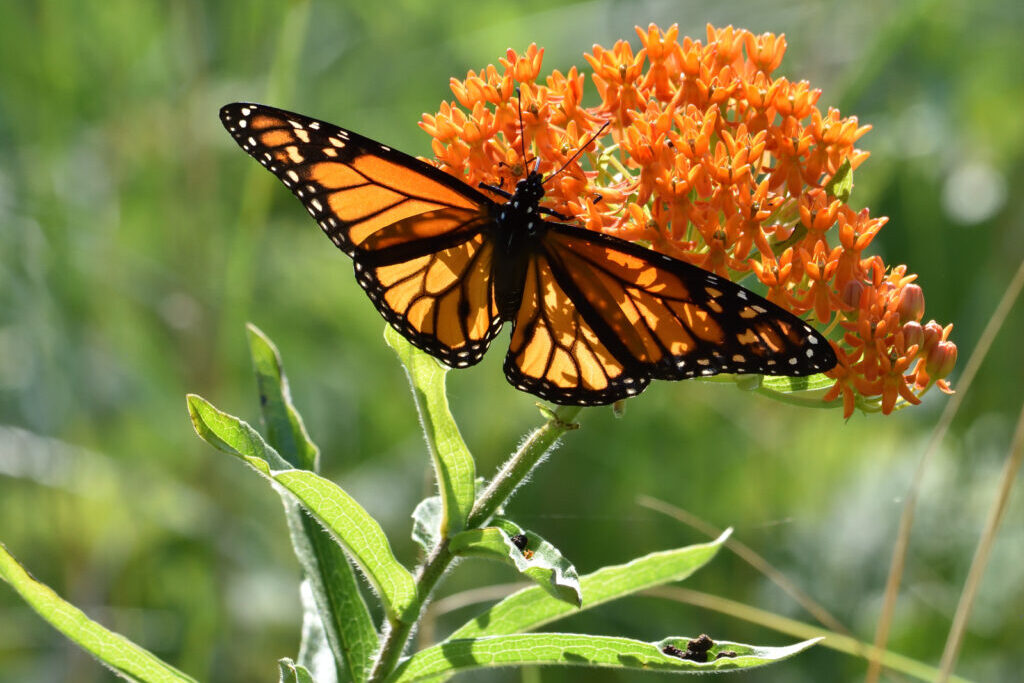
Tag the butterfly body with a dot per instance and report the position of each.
(517, 233)
(594, 318)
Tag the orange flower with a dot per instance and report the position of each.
(711, 159)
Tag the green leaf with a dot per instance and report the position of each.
(342, 615)
(538, 560)
(350, 524)
(531, 608)
(426, 523)
(315, 652)
(283, 424)
(840, 185)
(777, 387)
(124, 657)
(293, 673)
(570, 649)
(453, 463)
(787, 385)
(426, 519)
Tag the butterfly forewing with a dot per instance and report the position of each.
(674, 320)
(417, 236)
(353, 186)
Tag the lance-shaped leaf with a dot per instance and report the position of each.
(315, 652)
(338, 603)
(790, 385)
(426, 519)
(426, 523)
(530, 554)
(570, 649)
(350, 524)
(292, 672)
(453, 463)
(531, 608)
(124, 657)
(283, 425)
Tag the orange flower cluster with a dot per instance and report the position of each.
(709, 158)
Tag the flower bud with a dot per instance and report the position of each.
(941, 360)
(911, 306)
(913, 335)
(932, 336)
(851, 295)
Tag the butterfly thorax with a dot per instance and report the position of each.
(519, 229)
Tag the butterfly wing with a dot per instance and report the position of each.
(557, 354)
(642, 315)
(419, 238)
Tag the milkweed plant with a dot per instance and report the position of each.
(709, 158)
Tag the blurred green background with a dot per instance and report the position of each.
(129, 263)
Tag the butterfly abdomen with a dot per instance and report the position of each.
(519, 228)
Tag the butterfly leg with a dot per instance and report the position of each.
(496, 190)
(551, 212)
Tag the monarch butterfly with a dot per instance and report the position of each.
(594, 318)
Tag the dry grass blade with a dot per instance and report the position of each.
(899, 554)
(980, 561)
(751, 557)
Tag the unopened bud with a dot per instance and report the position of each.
(851, 295)
(911, 306)
(941, 360)
(913, 335)
(932, 336)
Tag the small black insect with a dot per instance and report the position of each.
(520, 541)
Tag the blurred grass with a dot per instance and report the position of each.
(125, 274)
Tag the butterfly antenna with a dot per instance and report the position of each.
(580, 151)
(522, 128)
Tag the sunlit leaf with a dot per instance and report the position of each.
(283, 425)
(453, 463)
(570, 649)
(784, 385)
(293, 673)
(344, 619)
(840, 185)
(537, 559)
(532, 607)
(426, 522)
(350, 524)
(121, 655)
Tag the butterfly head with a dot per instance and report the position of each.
(529, 190)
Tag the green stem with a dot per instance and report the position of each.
(501, 488)
(520, 465)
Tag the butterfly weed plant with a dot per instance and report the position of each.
(696, 152)
(710, 159)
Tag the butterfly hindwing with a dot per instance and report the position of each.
(441, 299)
(557, 355)
(675, 320)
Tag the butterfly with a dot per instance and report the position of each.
(594, 318)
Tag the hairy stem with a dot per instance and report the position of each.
(501, 488)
